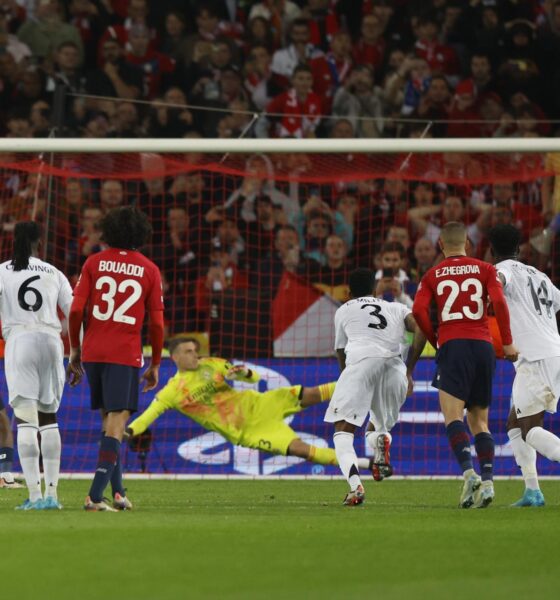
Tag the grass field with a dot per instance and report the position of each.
(282, 539)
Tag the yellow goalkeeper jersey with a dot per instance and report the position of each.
(206, 397)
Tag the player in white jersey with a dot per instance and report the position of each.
(31, 291)
(374, 379)
(533, 302)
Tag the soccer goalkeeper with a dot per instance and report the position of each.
(245, 418)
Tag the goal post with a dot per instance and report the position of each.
(255, 239)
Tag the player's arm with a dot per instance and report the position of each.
(143, 421)
(64, 300)
(341, 357)
(421, 311)
(154, 304)
(496, 293)
(241, 373)
(155, 329)
(74, 371)
(416, 349)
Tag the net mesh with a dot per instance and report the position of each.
(255, 251)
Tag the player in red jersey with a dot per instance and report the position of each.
(116, 286)
(465, 357)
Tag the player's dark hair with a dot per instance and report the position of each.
(361, 282)
(504, 240)
(126, 227)
(175, 342)
(26, 238)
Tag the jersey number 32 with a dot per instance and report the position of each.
(110, 288)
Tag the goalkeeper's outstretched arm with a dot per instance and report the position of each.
(143, 421)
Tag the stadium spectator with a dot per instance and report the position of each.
(440, 57)
(258, 76)
(260, 32)
(405, 86)
(47, 31)
(157, 68)
(175, 34)
(260, 234)
(360, 102)
(424, 257)
(125, 123)
(90, 238)
(111, 194)
(280, 14)
(525, 217)
(332, 277)
(391, 278)
(259, 180)
(115, 77)
(295, 113)
(10, 44)
(287, 257)
(371, 46)
(299, 52)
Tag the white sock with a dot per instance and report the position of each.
(346, 456)
(525, 457)
(544, 443)
(371, 438)
(50, 449)
(28, 450)
(363, 463)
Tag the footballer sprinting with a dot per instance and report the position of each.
(374, 379)
(31, 291)
(533, 302)
(248, 418)
(466, 360)
(117, 286)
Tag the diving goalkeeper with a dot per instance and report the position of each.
(246, 418)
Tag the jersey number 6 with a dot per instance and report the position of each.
(25, 288)
(117, 313)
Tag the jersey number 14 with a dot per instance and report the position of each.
(110, 288)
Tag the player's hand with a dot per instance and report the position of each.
(150, 378)
(237, 371)
(410, 387)
(74, 370)
(511, 353)
(127, 434)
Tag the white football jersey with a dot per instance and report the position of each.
(370, 327)
(29, 298)
(533, 301)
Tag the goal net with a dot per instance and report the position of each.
(255, 242)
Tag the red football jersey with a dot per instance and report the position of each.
(460, 286)
(119, 285)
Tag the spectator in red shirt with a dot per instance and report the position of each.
(323, 22)
(300, 108)
(370, 48)
(441, 58)
(157, 67)
(525, 217)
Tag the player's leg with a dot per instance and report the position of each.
(526, 458)
(114, 389)
(348, 461)
(50, 449)
(477, 418)
(27, 419)
(348, 409)
(317, 394)
(120, 501)
(388, 397)
(6, 451)
(52, 376)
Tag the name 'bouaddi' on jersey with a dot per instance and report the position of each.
(119, 285)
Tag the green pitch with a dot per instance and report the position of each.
(282, 540)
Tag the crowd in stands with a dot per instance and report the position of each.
(279, 68)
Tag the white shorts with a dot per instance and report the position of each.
(536, 386)
(374, 385)
(34, 368)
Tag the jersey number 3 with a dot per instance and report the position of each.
(376, 312)
(454, 289)
(110, 288)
